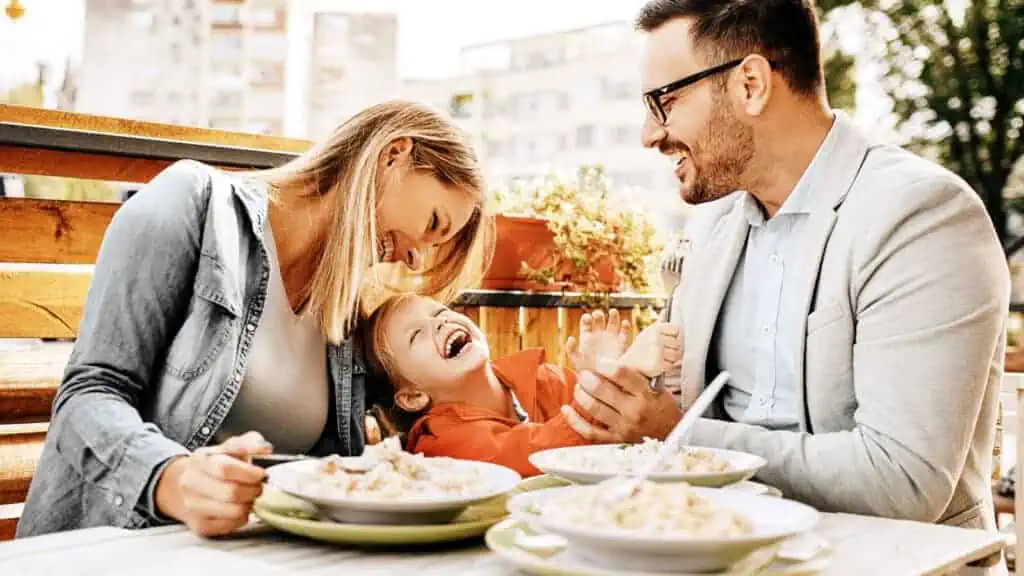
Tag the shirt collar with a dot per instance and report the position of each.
(800, 200)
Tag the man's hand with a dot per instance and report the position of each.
(599, 338)
(622, 403)
(212, 490)
(655, 350)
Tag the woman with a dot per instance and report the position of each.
(218, 321)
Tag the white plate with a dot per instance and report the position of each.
(407, 511)
(774, 519)
(742, 466)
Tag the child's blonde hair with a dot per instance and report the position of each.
(382, 366)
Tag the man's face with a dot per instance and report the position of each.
(711, 147)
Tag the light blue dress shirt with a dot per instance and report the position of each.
(757, 333)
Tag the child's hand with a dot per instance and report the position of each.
(655, 350)
(598, 338)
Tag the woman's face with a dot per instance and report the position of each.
(415, 210)
(434, 348)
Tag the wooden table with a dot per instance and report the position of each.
(861, 546)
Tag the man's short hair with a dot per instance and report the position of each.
(783, 31)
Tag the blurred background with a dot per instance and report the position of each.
(540, 86)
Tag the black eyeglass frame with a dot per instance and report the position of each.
(652, 98)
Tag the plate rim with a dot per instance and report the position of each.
(747, 472)
(350, 533)
(625, 539)
(399, 506)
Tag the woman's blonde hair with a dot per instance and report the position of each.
(346, 163)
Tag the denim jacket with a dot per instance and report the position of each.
(176, 294)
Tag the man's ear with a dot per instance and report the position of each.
(757, 85)
(411, 400)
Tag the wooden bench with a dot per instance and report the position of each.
(47, 248)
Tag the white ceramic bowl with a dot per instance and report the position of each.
(742, 466)
(289, 478)
(773, 519)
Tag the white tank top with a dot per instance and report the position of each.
(284, 394)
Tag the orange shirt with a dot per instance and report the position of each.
(471, 432)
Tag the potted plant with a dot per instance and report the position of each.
(559, 235)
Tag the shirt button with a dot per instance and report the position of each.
(250, 327)
(766, 329)
(204, 430)
(118, 500)
(774, 258)
(762, 401)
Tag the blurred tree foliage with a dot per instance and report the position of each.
(955, 73)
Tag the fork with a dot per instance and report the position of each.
(671, 269)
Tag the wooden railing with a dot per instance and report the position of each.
(47, 248)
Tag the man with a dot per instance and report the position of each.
(856, 293)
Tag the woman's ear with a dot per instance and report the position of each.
(411, 400)
(397, 150)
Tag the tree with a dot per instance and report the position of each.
(955, 73)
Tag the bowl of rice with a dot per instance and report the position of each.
(662, 527)
(709, 467)
(387, 485)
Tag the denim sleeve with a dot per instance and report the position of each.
(137, 300)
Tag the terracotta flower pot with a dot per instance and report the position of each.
(527, 239)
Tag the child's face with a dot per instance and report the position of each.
(434, 348)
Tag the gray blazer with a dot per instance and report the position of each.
(906, 291)
(177, 291)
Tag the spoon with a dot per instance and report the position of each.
(353, 465)
(674, 440)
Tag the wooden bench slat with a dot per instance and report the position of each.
(19, 454)
(52, 232)
(42, 301)
(78, 164)
(29, 378)
(111, 125)
(9, 514)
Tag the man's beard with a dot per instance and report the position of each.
(720, 156)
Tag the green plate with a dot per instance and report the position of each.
(298, 517)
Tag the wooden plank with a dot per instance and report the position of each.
(42, 301)
(110, 125)
(29, 377)
(569, 326)
(54, 232)
(9, 514)
(501, 326)
(471, 312)
(540, 328)
(19, 454)
(78, 164)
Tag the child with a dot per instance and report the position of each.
(450, 399)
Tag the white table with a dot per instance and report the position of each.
(861, 546)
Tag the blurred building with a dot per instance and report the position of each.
(348, 61)
(261, 66)
(551, 102)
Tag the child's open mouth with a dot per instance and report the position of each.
(457, 342)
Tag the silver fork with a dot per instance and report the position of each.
(671, 269)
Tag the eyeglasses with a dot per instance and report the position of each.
(652, 98)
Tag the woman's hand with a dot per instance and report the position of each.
(212, 490)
